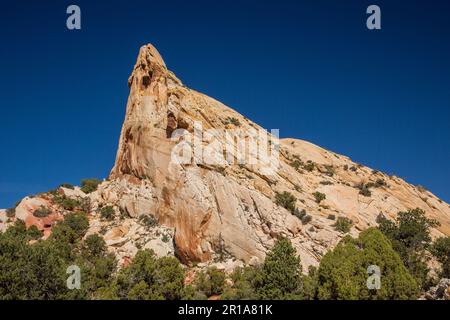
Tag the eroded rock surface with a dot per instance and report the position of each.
(229, 208)
(211, 209)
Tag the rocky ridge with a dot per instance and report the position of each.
(210, 210)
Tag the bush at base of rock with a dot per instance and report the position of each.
(441, 250)
(107, 213)
(410, 237)
(67, 203)
(89, 185)
(46, 261)
(343, 271)
(148, 277)
(211, 282)
(280, 276)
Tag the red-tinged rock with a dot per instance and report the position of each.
(28, 206)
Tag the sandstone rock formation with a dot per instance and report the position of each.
(230, 207)
(219, 203)
(25, 212)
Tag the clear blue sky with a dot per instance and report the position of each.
(310, 68)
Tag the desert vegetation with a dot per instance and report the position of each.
(319, 196)
(343, 224)
(89, 185)
(287, 200)
(398, 247)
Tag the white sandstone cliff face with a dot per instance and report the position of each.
(206, 206)
(230, 207)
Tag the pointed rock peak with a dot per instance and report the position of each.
(150, 67)
(149, 54)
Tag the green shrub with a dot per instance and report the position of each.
(67, 203)
(89, 185)
(211, 282)
(296, 164)
(148, 220)
(369, 185)
(85, 204)
(280, 276)
(235, 122)
(68, 233)
(244, 283)
(95, 245)
(67, 186)
(329, 170)
(150, 278)
(107, 213)
(38, 271)
(77, 222)
(309, 166)
(343, 271)
(165, 238)
(169, 278)
(52, 192)
(364, 190)
(411, 228)
(34, 233)
(310, 284)
(42, 212)
(441, 250)
(286, 200)
(380, 183)
(142, 291)
(343, 224)
(29, 272)
(319, 196)
(410, 237)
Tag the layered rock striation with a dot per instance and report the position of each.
(212, 181)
